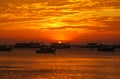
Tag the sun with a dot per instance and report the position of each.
(59, 42)
(60, 36)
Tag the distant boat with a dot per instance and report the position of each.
(105, 48)
(92, 45)
(5, 48)
(60, 45)
(28, 45)
(46, 49)
(117, 46)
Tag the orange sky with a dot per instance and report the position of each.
(52, 20)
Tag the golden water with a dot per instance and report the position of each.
(74, 63)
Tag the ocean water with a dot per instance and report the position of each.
(74, 63)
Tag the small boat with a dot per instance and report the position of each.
(92, 45)
(60, 45)
(117, 45)
(28, 45)
(46, 49)
(5, 48)
(105, 48)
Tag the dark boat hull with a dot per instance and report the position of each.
(92, 45)
(46, 49)
(6, 49)
(27, 45)
(105, 48)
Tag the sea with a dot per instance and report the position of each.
(73, 63)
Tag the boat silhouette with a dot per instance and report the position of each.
(46, 49)
(28, 45)
(92, 45)
(117, 45)
(5, 48)
(105, 48)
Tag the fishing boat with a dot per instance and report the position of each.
(28, 45)
(92, 45)
(117, 45)
(5, 48)
(105, 48)
(46, 49)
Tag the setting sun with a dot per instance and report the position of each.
(59, 39)
(59, 42)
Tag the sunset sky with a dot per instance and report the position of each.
(68, 20)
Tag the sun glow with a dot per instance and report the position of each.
(54, 20)
(59, 42)
(60, 36)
